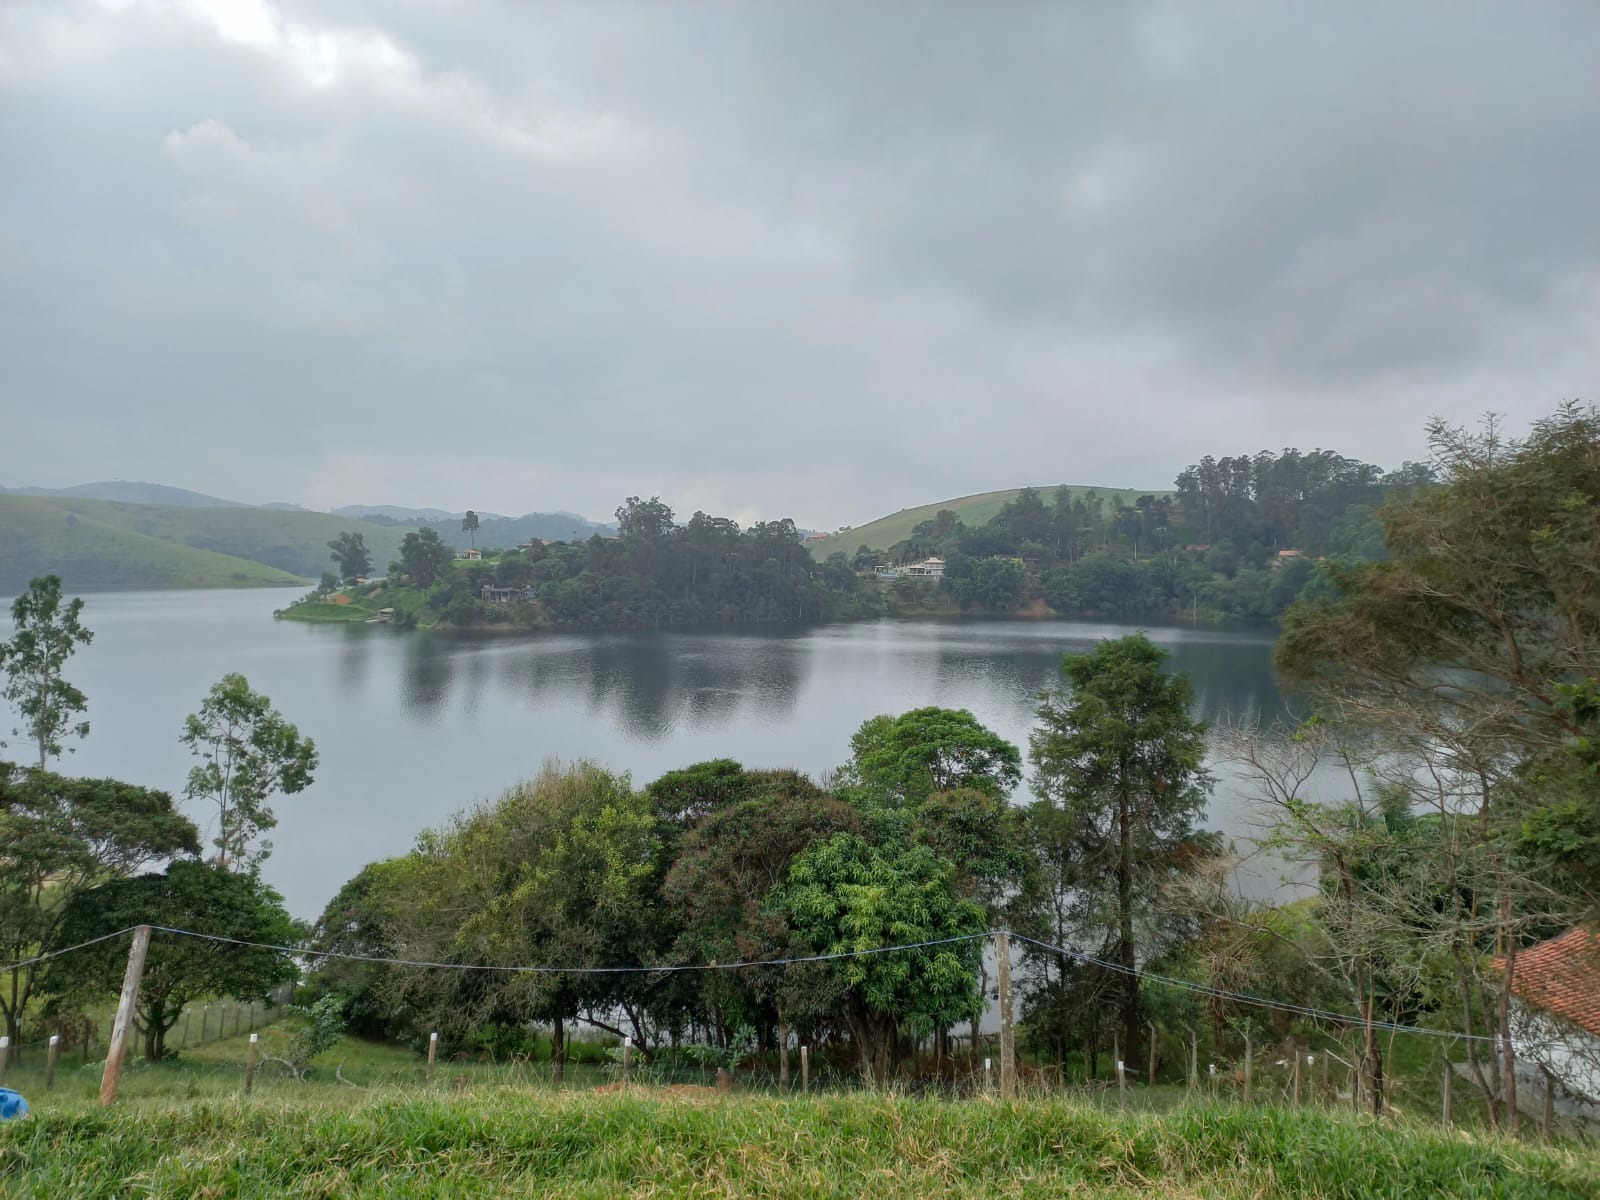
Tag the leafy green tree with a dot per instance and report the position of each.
(349, 550)
(356, 923)
(45, 634)
(190, 895)
(247, 753)
(469, 526)
(901, 761)
(59, 836)
(1119, 760)
(424, 557)
(845, 895)
(561, 869)
(328, 584)
(717, 894)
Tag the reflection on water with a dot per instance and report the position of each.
(413, 726)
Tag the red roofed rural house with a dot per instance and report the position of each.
(1556, 1016)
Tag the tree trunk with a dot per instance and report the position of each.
(1508, 1052)
(783, 1053)
(1125, 955)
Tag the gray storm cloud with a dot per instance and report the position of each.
(778, 259)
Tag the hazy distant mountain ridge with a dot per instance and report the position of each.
(494, 529)
(514, 531)
(405, 516)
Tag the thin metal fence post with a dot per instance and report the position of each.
(1008, 1046)
(1446, 1096)
(250, 1065)
(50, 1061)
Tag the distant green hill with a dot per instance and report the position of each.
(39, 537)
(128, 492)
(238, 547)
(291, 541)
(973, 510)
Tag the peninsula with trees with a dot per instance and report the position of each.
(1240, 538)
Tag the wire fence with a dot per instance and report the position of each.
(221, 1041)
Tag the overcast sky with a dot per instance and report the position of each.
(774, 259)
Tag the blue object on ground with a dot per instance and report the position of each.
(12, 1104)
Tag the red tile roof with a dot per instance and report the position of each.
(1562, 976)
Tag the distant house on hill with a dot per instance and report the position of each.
(928, 568)
(1284, 557)
(818, 537)
(1555, 1020)
(472, 554)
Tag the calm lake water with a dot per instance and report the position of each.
(412, 726)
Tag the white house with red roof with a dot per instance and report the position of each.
(1556, 1017)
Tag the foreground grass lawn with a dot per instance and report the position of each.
(508, 1142)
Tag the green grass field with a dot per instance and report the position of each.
(186, 1129)
(974, 510)
(364, 602)
(511, 1141)
(47, 536)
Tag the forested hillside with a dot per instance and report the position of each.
(1241, 537)
(38, 537)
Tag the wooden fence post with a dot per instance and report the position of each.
(50, 1061)
(5, 1055)
(185, 1041)
(1151, 1025)
(433, 1049)
(250, 1065)
(1248, 1066)
(1194, 1060)
(117, 1043)
(205, 1013)
(1008, 1045)
(805, 1069)
(987, 1076)
(1548, 1118)
(1294, 1073)
(627, 1057)
(1122, 1085)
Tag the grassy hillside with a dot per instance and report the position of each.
(290, 541)
(41, 537)
(129, 492)
(517, 1142)
(973, 510)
